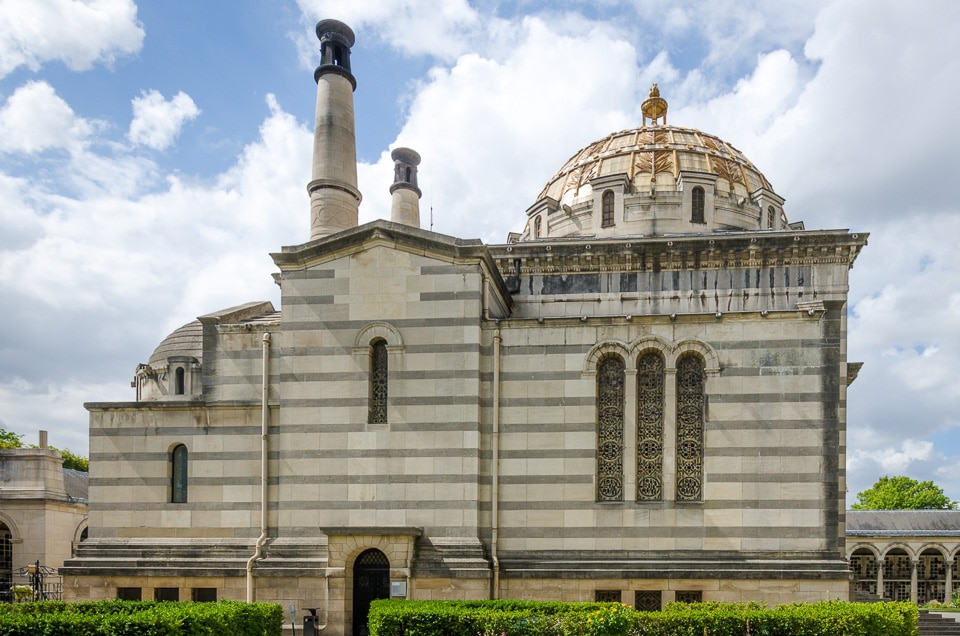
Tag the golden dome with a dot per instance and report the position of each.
(655, 150)
(652, 180)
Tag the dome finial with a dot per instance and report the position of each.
(654, 107)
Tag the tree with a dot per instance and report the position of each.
(9, 439)
(903, 493)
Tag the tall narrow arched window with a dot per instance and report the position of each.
(536, 227)
(610, 379)
(377, 409)
(179, 381)
(6, 563)
(650, 427)
(698, 201)
(606, 219)
(690, 402)
(178, 481)
(771, 217)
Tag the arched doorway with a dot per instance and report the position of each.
(931, 577)
(6, 563)
(896, 575)
(863, 564)
(371, 581)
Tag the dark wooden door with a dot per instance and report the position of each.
(371, 581)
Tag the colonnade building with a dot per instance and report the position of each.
(640, 397)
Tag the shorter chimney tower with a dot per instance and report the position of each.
(405, 207)
(334, 197)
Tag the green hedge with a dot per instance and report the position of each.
(140, 618)
(529, 618)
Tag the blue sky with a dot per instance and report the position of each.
(153, 153)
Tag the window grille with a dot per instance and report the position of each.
(650, 427)
(648, 600)
(378, 383)
(607, 596)
(690, 391)
(610, 397)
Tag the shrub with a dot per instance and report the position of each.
(140, 618)
(528, 618)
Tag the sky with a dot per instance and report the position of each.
(153, 154)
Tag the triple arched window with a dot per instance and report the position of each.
(682, 423)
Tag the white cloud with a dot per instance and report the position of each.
(106, 277)
(440, 28)
(61, 405)
(79, 34)
(492, 131)
(893, 461)
(35, 119)
(157, 121)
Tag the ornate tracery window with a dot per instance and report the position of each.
(377, 411)
(690, 391)
(610, 401)
(650, 427)
(697, 207)
(606, 218)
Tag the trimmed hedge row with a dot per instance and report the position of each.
(530, 618)
(140, 618)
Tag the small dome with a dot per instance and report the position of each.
(653, 180)
(187, 341)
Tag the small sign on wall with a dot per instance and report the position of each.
(398, 589)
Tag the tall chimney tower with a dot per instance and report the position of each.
(405, 207)
(334, 197)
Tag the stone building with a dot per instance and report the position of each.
(904, 555)
(639, 397)
(43, 516)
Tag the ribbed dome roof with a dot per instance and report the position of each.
(654, 180)
(652, 150)
(185, 341)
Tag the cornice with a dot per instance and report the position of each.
(678, 253)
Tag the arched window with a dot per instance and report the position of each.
(178, 481)
(650, 427)
(606, 220)
(610, 398)
(377, 409)
(771, 216)
(6, 563)
(180, 385)
(690, 402)
(697, 204)
(536, 227)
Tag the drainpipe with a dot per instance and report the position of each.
(495, 472)
(264, 424)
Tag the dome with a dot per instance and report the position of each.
(186, 341)
(652, 173)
